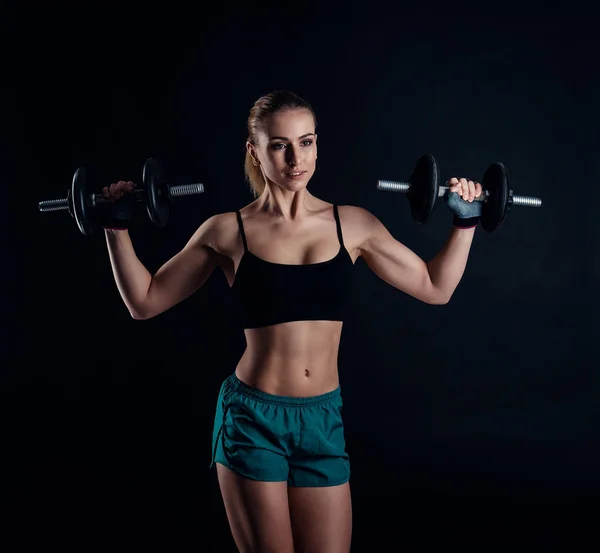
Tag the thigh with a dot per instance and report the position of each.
(258, 513)
(321, 518)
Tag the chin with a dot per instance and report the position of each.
(297, 187)
(294, 186)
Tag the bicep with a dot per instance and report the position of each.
(395, 263)
(184, 273)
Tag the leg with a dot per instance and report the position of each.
(321, 518)
(258, 513)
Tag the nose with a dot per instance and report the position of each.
(292, 156)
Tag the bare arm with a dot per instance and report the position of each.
(432, 282)
(448, 266)
(147, 295)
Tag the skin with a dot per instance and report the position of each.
(287, 224)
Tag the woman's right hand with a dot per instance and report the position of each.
(118, 215)
(117, 189)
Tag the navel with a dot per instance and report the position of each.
(306, 373)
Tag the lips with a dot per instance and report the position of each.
(296, 174)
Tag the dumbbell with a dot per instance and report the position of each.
(155, 193)
(423, 189)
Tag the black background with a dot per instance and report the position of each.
(473, 423)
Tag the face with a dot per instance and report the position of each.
(287, 149)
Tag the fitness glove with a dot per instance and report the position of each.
(466, 214)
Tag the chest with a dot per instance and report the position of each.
(289, 251)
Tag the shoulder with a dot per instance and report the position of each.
(358, 219)
(220, 233)
(221, 222)
(359, 225)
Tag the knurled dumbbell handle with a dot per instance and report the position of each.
(186, 189)
(174, 191)
(54, 205)
(404, 187)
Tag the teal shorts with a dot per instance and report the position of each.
(276, 438)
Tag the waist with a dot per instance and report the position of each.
(285, 381)
(295, 359)
(282, 399)
(293, 377)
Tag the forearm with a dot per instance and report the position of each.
(132, 278)
(448, 266)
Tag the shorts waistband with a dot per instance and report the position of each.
(289, 401)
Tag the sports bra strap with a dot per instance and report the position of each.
(335, 214)
(240, 224)
(338, 224)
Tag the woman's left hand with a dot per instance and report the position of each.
(465, 188)
(459, 199)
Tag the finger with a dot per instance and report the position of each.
(478, 189)
(118, 190)
(122, 188)
(454, 184)
(464, 189)
(471, 187)
(112, 191)
(130, 186)
(105, 191)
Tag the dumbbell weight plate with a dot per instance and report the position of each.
(82, 202)
(424, 187)
(157, 192)
(494, 209)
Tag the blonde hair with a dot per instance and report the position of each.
(274, 102)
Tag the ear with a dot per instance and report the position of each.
(251, 150)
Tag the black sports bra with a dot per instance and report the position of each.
(271, 293)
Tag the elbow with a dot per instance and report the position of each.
(432, 294)
(140, 313)
(138, 316)
(141, 310)
(147, 311)
(438, 298)
(437, 301)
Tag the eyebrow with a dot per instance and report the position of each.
(299, 138)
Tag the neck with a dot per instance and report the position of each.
(285, 204)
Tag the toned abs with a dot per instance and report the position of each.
(296, 358)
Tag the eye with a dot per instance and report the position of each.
(305, 144)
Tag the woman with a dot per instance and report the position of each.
(288, 256)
